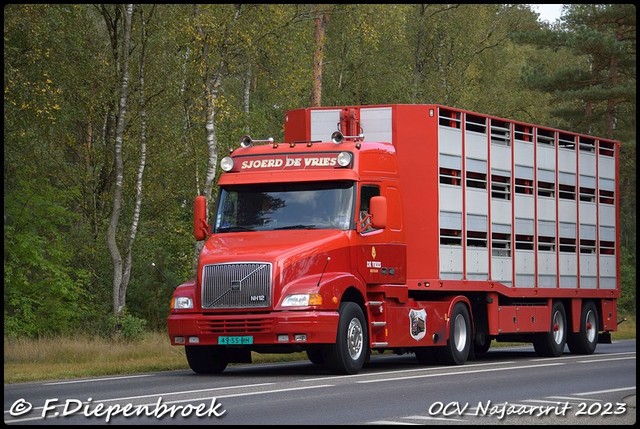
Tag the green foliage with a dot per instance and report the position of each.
(43, 293)
(126, 327)
(628, 202)
(627, 301)
(593, 79)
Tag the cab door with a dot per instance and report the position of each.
(381, 252)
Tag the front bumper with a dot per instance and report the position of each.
(320, 327)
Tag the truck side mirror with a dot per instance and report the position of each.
(200, 226)
(378, 210)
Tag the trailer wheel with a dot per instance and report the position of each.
(584, 342)
(348, 354)
(551, 344)
(206, 359)
(458, 345)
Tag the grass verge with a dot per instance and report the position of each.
(64, 358)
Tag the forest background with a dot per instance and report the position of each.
(115, 117)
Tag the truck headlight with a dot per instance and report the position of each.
(182, 302)
(344, 159)
(226, 163)
(302, 300)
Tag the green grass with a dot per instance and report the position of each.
(627, 329)
(63, 358)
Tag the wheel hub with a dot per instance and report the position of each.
(354, 339)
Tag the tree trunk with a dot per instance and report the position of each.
(246, 94)
(143, 158)
(211, 94)
(116, 257)
(419, 61)
(319, 38)
(212, 77)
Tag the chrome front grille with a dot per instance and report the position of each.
(242, 285)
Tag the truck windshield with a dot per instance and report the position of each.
(314, 205)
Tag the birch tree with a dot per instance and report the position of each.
(213, 68)
(122, 266)
(116, 257)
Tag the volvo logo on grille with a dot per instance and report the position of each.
(235, 285)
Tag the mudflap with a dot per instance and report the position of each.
(604, 338)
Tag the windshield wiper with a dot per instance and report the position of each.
(298, 227)
(236, 228)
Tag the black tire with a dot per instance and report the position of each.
(367, 359)
(316, 356)
(456, 352)
(348, 354)
(481, 345)
(584, 342)
(427, 355)
(551, 344)
(206, 359)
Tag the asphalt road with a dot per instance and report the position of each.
(505, 386)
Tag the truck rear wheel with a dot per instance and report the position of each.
(482, 344)
(458, 345)
(551, 344)
(348, 354)
(206, 359)
(584, 341)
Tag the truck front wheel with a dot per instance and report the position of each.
(551, 344)
(348, 354)
(206, 359)
(316, 356)
(458, 346)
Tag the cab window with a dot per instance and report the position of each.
(366, 192)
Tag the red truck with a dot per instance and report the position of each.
(419, 229)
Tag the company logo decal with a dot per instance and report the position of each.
(374, 266)
(288, 162)
(418, 324)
